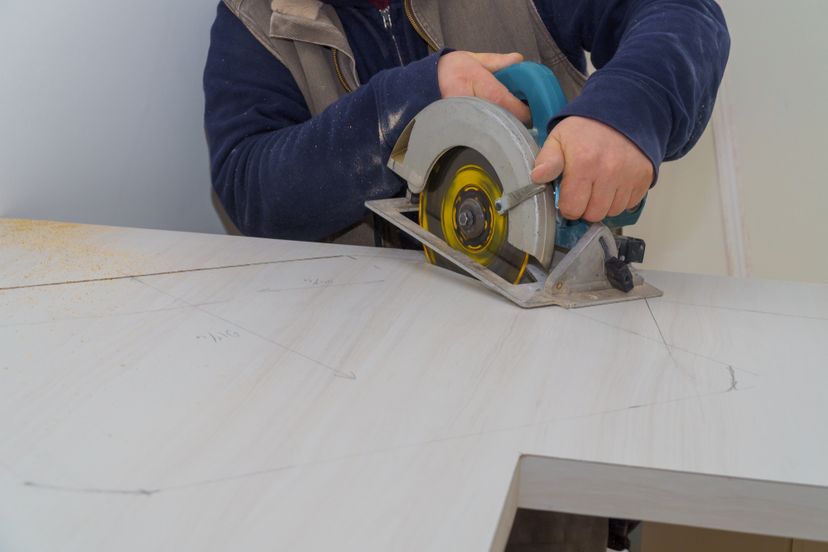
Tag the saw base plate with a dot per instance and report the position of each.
(576, 279)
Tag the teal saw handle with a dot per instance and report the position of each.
(537, 85)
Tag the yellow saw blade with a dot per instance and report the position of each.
(458, 206)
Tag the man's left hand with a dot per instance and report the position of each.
(604, 173)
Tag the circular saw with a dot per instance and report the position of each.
(467, 163)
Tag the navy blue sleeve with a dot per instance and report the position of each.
(280, 172)
(659, 64)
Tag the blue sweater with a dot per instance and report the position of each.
(281, 173)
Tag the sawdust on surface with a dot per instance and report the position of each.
(48, 252)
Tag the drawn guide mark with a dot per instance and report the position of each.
(345, 374)
(217, 337)
(733, 385)
(316, 282)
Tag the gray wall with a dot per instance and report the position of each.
(101, 112)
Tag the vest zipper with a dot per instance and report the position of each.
(389, 26)
(409, 13)
(338, 69)
(418, 28)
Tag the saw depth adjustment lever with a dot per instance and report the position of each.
(630, 250)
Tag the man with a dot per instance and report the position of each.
(287, 167)
(305, 99)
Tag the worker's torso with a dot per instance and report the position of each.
(310, 38)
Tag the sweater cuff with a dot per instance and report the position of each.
(628, 105)
(403, 92)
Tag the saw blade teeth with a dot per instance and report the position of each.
(457, 205)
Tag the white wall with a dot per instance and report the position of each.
(101, 112)
(778, 85)
(682, 221)
(772, 145)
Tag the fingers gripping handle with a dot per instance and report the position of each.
(537, 85)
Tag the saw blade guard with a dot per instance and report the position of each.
(505, 143)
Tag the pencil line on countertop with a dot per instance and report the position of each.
(325, 286)
(731, 369)
(660, 333)
(90, 490)
(336, 371)
(385, 450)
(750, 311)
(170, 272)
(92, 317)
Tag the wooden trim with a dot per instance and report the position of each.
(733, 223)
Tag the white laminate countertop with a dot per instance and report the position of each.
(174, 391)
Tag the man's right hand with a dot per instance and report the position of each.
(470, 74)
